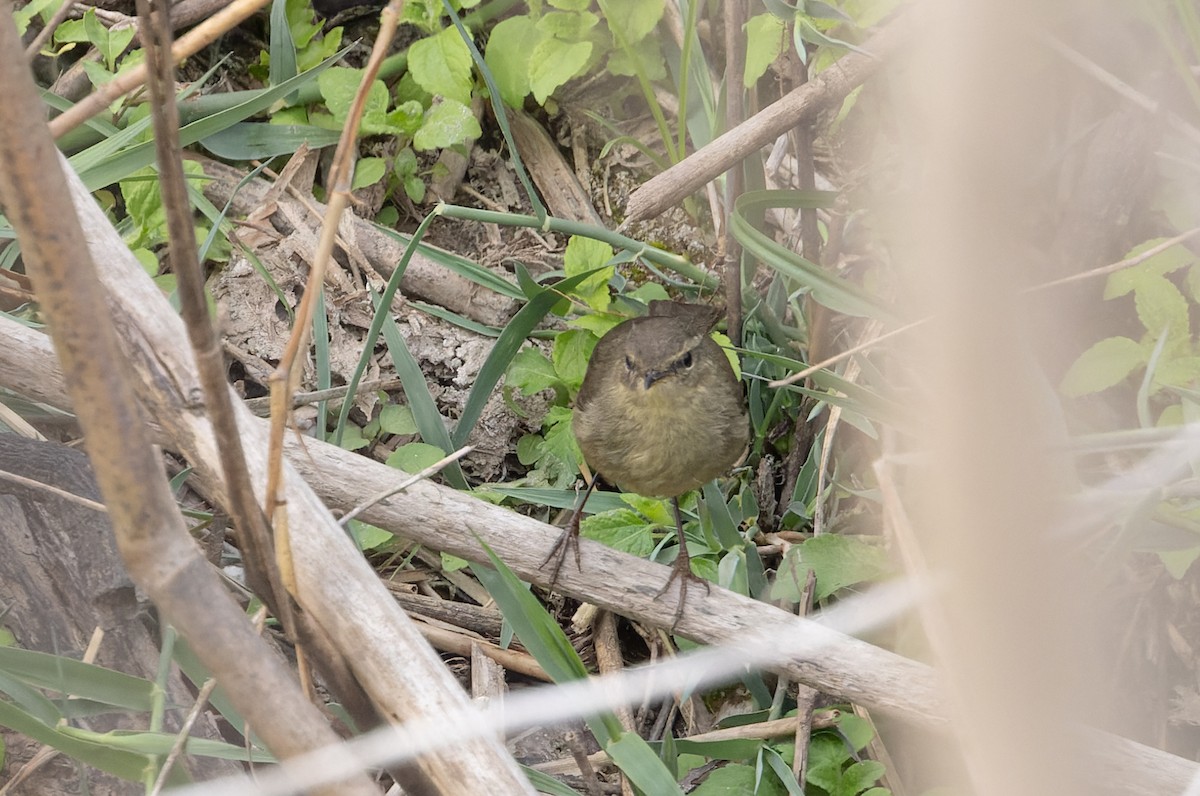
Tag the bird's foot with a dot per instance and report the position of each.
(568, 539)
(681, 571)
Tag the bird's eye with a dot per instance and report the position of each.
(686, 360)
(629, 363)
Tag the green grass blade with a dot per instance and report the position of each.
(536, 629)
(546, 783)
(498, 110)
(108, 170)
(69, 676)
(429, 420)
(324, 367)
(506, 347)
(368, 345)
(126, 765)
(282, 64)
(831, 291)
(260, 140)
(637, 761)
(559, 498)
(459, 265)
(32, 700)
(659, 257)
(454, 318)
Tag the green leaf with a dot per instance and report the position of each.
(827, 753)
(734, 779)
(430, 422)
(283, 45)
(368, 537)
(1167, 261)
(632, 20)
(568, 26)
(353, 439)
(1161, 305)
(118, 156)
(572, 349)
(764, 43)
(338, 86)
(622, 530)
(857, 730)
(1106, 363)
(258, 141)
(447, 123)
(368, 171)
(508, 51)
(529, 449)
(505, 348)
(397, 419)
(828, 289)
(441, 65)
(415, 457)
(407, 117)
(536, 629)
(23, 16)
(645, 56)
(656, 510)
(530, 372)
(1178, 562)
(127, 765)
(598, 324)
(858, 777)
(560, 452)
(837, 561)
(586, 254)
(554, 62)
(1178, 372)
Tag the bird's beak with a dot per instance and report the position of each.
(653, 376)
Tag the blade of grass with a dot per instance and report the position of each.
(368, 346)
(69, 676)
(429, 420)
(835, 293)
(126, 765)
(546, 641)
(97, 168)
(505, 348)
(501, 115)
(671, 262)
(459, 265)
(454, 318)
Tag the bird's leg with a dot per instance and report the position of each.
(681, 570)
(569, 538)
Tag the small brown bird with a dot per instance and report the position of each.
(660, 413)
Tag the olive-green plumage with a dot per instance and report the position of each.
(660, 411)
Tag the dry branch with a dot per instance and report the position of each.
(405, 678)
(160, 555)
(800, 106)
(423, 278)
(445, 519)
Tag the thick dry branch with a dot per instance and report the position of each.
(800, 106)
(448, 520)
(423, 278)
(337, 589)
(160, 555)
